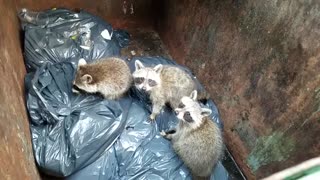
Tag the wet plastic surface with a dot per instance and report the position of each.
(58, 35)
(69, 131)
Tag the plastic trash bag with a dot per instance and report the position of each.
(69, 131)
(87, 137)
(58, 35)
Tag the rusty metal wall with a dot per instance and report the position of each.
(260, 61)
(16, 159)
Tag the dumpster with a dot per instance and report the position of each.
(259, 61)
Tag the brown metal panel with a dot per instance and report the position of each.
(260, 60)
(16, 158)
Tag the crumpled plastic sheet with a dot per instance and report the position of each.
(87, 137)
(58, 35)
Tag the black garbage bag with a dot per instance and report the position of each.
(87, 137)
(58, 35)
(69, 131)
(141, 153)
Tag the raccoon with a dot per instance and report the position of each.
(164, 84)
(110, 77)
(197, 140)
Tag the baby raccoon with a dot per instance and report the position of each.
(164, 83)
(111, 77)
(197, 139)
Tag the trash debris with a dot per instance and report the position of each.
(58, 35)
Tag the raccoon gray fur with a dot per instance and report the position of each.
(164, 84)
(110, 77)
(197, 139)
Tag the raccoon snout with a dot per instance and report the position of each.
(176, 112)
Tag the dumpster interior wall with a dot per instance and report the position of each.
(16, 156)
(258, 59)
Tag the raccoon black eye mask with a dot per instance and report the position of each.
(181, 105)
(152, 82)
(75, 87)
(139, 80)
(187, 117)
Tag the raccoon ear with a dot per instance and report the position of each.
(158, 68)
(138, 65)
(194, 95)
(87, 78)
(205, 111)
(82, 62)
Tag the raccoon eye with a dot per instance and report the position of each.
(181, 105)
(138, 80)
(152, 82)
(187, 117)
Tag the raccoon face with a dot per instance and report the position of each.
(190, 111)
(146, 78)
(83, 80)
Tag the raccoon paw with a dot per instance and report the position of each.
(152, 117)
(163, 133)
(151, 121)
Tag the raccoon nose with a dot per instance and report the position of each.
(176, 112)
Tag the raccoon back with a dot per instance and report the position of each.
(109, 70)
(201, 148)
(175, 83)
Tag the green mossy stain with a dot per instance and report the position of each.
(275, 147)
